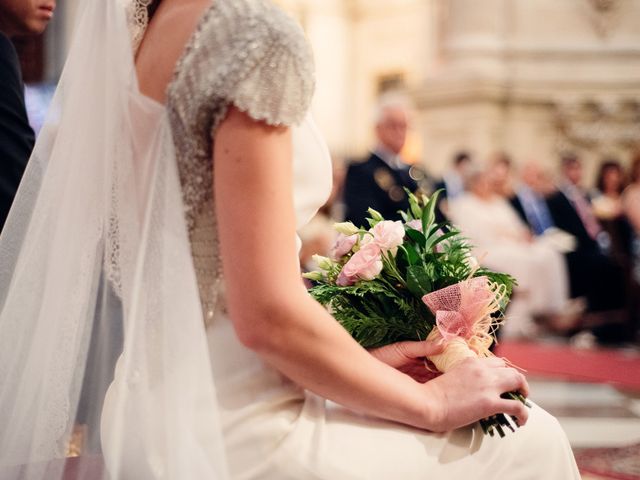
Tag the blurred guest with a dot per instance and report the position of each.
(607, 199)
(608, 207)
(502, 242)
(379, 181)
(547, 183)
(571, 208)
(593, 274)
(500, 166)
(529, 199)
(452, 183)
(631, 196)
(17, 17)
(631, 205)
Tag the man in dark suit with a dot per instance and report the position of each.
(17, 17)
(380, 180)
(592, 274)
(529, 200)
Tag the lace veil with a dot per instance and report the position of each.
(95, 266)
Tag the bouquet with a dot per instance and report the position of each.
(414, 280)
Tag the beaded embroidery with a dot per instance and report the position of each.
(137, 19)
(247, 53)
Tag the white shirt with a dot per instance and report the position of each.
(390, 158)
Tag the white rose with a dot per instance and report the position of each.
(388, 235)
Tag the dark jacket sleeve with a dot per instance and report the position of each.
(519, 209)
(566, 218)
(16, 136)
(359, 193)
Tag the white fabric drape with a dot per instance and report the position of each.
(95, 263)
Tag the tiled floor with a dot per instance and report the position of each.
(593, 415)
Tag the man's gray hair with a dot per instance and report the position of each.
(390, 100)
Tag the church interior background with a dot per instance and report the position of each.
(533, 78)
(530, 77)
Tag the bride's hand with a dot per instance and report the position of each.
(408, 357)
(471, 391)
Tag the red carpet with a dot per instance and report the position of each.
(610, 463)
(619, 368)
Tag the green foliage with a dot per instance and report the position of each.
(375, 313)
(419, 239)
(390, 308)
(418, 280)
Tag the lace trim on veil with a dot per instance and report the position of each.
(137, 20)
(137, 16)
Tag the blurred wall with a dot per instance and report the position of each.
(532, 77)
(361, 47)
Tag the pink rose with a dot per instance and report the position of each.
(366, 239)
(344, 281)
(415, 224)
(439, 246)
(388, 235)
(343, 245)
(365, 264)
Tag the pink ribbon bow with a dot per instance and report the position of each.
(458, 308)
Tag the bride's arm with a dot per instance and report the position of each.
(274, 316)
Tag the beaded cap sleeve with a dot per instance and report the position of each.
(244, 52)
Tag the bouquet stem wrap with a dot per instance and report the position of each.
(463, 320)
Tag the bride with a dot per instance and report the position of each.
(162, 199)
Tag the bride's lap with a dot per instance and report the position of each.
(324, 441)
(330, 442)
(293, 435)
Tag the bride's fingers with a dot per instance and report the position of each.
(513, 408)
(420, 349)
(512, 380)
(496, 362)
(389, 354)
(398, 354)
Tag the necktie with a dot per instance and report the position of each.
(536, 211)
(583, 209)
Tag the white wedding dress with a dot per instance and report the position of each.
(272, 428)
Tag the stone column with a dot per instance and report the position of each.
(534, 77)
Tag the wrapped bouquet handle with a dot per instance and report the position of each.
(463, 320)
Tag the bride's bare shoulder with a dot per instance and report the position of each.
(173, 23)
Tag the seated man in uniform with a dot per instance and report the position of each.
(379, 181)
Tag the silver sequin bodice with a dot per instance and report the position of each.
(247, 53)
